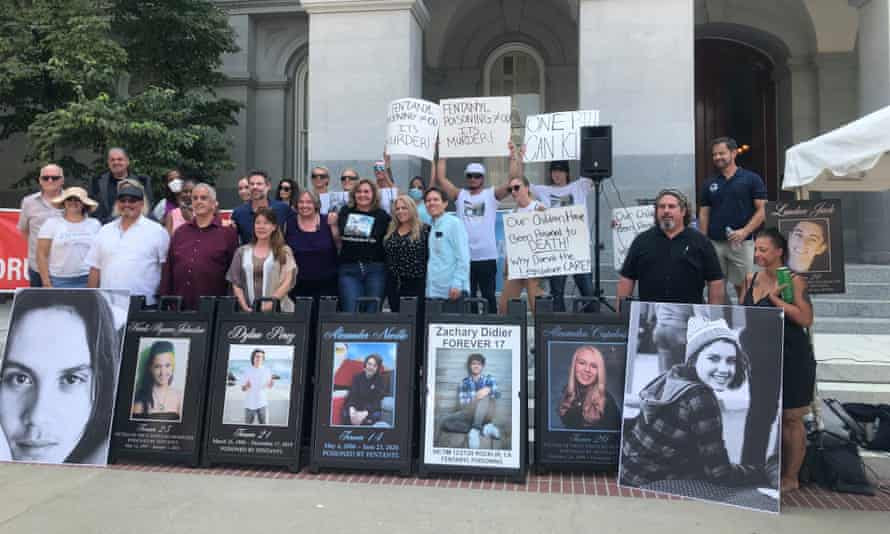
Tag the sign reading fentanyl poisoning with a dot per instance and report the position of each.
(556, 136)
(475, 127)
(547, 243)
(411, 127)
(627, 223)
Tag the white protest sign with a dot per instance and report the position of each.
(411, 127)
(627, 223)
(475, 127)
(556, 136)
(547, 243)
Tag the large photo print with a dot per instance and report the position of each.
(702, 403)
(363, 391)
(160, 379)
(258, 385)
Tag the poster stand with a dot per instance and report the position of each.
(364, 388)
(163, 424)
(256, 385)
(493, 443)
(589, 447)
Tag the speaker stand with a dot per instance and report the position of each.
(597, 281)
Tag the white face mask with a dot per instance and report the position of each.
(175, 185)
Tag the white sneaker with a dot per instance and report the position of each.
(491, 431)
(473, 438)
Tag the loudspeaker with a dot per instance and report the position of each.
(596, 151)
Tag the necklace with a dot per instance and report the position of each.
(160, 403)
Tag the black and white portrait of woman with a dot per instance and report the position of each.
(59, 375)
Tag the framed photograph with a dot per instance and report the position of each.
(579, 380)
(475, 400)
(159, 414)
(815, 237)
(364, 402)
(257, 386)
(702, 403)
(59, 375)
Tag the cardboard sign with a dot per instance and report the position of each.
(627, 224)
(475, 127)
(547, 243)
(159, 415)
(815, 240)
(556, 136)
(569, 435)
(364, 389)
(13, 253)
(256, 386)
(412, 126)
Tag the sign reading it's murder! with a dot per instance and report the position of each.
(547, 243)
(411, 127)
(556, 136)
(627, 224)
(475, 127)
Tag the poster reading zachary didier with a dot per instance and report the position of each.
(472, 401)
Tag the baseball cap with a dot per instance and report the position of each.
(475, 168)
(127, 190)
(559, 165)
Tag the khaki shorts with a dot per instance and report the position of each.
(736, 262)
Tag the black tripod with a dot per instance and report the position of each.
(597, 247)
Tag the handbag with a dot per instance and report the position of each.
(832, 461)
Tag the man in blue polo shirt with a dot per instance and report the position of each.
(242, 216)
(732, 206)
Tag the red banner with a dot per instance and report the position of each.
(13, 252)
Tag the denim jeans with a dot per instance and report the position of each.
(259, 414)
(360, 280)
(558, 289)
(34, 278)
(69, 281)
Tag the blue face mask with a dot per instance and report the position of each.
(416, 194)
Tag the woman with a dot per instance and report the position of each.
(512, 289)
(243, 189)
(264, 268)
(798, 361)
(57, 391)
(361, 227)
(312, 241)
(287, 192)
(155, 399)
(173, 183)
(364, 403)
(680, 415)
(63, 242)
(448, 268)
(183, 212)
(415, 191)
(406, 246)
(586, 403)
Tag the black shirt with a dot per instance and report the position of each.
(731, 201)
(671, 270)
(362, 234)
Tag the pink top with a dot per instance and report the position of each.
(177, 219)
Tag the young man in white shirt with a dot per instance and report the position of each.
(36, 209)
(128, 251)
(255, 380)
(477, 208)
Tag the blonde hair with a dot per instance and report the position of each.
(592, 397)
(415, 218)
(375, 201)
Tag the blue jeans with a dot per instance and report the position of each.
(34, 278)
(65, 282)
(558, 289)
(361, 280)
(259, 414)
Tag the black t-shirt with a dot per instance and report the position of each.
(362, 234)
(671, 270)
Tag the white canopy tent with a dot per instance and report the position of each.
(852, 158)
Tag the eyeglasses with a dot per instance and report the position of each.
(350, 178)
(475, 176)
(515, 188)
(287, 188)
(129, 200)
(47, 178)
(319, 176)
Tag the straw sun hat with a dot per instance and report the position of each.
(78, 193)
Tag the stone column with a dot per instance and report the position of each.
(362, 55)
(874, 93)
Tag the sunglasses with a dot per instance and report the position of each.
(379, 169)
(319, 176)
(286, 188)
(350, 178)
(515, 188)
(475, 176)
(46, 178)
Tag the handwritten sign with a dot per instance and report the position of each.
(411, 127)
(627, 223)
(475, 127)
(547, 243)
(556, 136)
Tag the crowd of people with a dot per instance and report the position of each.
(370, 242)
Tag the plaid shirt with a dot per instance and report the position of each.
(468, 387)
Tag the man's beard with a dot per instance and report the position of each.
(667, 224)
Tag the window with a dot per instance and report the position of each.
(301, 124)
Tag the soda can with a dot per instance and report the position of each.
(783, 276)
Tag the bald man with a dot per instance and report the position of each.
(103, 188)
(36, 209)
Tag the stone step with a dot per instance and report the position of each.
(855, 392)
(861, 291)
(867, 273)
(851, 325)
(832, 307)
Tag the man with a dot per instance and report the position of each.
(128, 252)
(200, 253)
(243, 215)
(476, 397)
(385, 185)
(321, 179)
(732, 208)
(255, 380)
(243, 189)
(807, 244)
(671, 261)
(477, 208)
(36, 209)
(103, 188)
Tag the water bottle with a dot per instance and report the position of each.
(733, 244)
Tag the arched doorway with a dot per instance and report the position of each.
(735, 95)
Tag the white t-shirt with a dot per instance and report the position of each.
(534, 205)
(556, 196)
(259, 378)
(132, 259)
(70, 244)
(479, 215)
